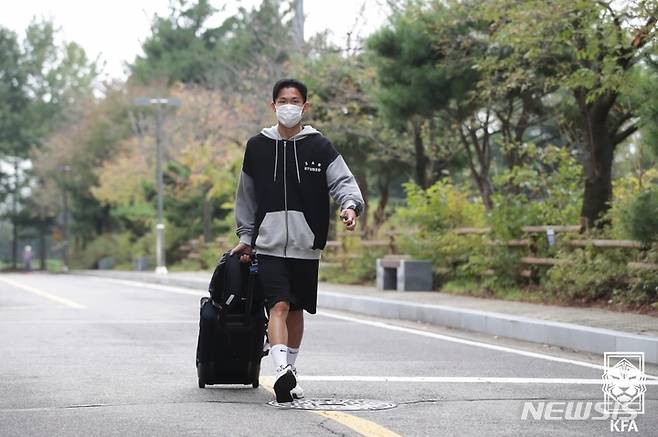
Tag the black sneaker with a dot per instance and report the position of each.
(285, 381)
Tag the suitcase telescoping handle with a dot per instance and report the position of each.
(251, 282)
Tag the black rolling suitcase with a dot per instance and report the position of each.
(232, 325)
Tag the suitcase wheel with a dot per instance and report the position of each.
(255, 375)
(200, 368)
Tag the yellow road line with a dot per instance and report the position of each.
(362, 426)
(358, 424)
(61, 300)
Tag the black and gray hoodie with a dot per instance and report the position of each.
(282, 201)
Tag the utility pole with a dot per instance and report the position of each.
(66, 169)
(161, 267)
(159, 227)
(298, 25)
(14, 216)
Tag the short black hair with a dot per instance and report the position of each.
(289, 83)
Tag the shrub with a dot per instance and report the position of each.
(642, 289)
(432, 213)
(625, 192)
(504, 261)
(641, 218)
(357, 270)
(446, 251)
(442, 206)
(586, 275)
(118, 246)
(547, 189)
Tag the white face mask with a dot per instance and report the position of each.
(289, 115)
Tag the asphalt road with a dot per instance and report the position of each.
(85, 356)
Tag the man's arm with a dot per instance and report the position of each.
(344, 189)
(245, 208)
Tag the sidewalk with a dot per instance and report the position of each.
(588, 329)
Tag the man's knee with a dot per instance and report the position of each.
(280, 309)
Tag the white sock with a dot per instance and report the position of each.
(279, 354)
(292, 355)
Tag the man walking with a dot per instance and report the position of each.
(282, 210)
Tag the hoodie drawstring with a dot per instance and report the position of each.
(294, 143)
(276, 157)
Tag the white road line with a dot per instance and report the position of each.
(104, 322)
(167, 288)
(18, 307)
(467, 342)
(457, 379)
(63, 301)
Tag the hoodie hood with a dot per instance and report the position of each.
(273, 132)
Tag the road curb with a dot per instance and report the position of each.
(578, 337)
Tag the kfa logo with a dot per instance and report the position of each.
(624, 388)
(314, 167)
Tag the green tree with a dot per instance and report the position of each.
(179, 47)
(70, 155)
(13, 97)
(588, 48)
(413, 82)
(428, 69)
(59, 75)
(183, 48)
(645, 96)
(14, 104)
(40, 81)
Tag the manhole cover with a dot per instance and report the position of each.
(335, 404)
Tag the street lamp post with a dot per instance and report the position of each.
(66, 169)
(160, 226)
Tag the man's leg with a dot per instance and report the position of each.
(304, 286)
(295, 325)
(278, 333)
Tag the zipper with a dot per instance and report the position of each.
(285, 195)
(299, 180)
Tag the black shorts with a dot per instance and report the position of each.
(289, 280)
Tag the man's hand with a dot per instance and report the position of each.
(245, 250)
(349, 218)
